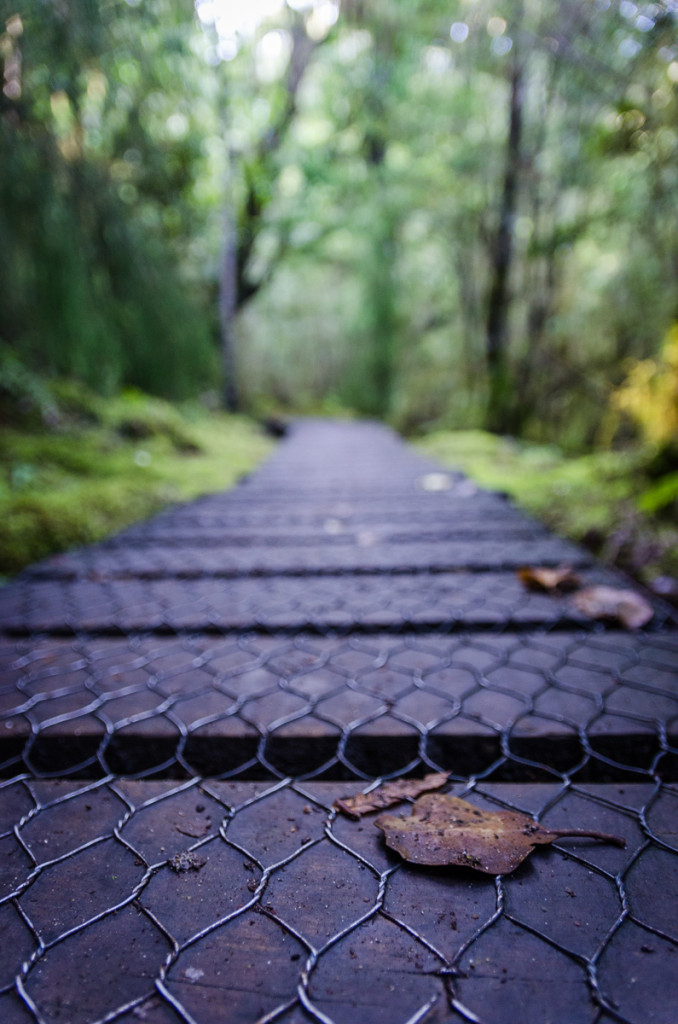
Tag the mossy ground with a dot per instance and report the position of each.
(98, 465)
(77, 467)
(598, 499)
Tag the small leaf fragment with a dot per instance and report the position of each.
(559, 581)
(435, 482)
(194, 829)
(446, 830)
(624, 606)
(390, 793)
(187, 860)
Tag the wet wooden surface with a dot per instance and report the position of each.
(198, 691)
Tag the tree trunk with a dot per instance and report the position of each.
(380, 291)
(381, 299)
(228, 304)
(241, 233)
(499, 299)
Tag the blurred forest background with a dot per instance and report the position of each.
(453, 215)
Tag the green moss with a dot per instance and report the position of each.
(24, 396)
(596, 499)
(86, 478)
(137, 416)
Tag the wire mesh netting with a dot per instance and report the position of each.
(181, 706)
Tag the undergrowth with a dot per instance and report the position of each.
(75, 467)
(604, 500)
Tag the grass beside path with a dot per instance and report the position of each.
(595, 499)
(77, 468)
(99, 465)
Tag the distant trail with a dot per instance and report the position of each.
(214, 678)
(342, 527)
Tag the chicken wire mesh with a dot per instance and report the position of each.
(181, 707)
(128, 898)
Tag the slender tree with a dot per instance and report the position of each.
(500, 385)
(243, 223)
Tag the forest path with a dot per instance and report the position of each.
(211, 680)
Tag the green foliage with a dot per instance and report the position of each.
(364, 166)
(24, 396)
(94, 198)
(390, 180)
(662, 497)
(649, 394)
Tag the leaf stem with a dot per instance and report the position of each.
(587, 833)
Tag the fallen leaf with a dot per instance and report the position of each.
(194, 973)
(194, 829)
(444, 830)
(187, 860)
(435, 482)
(560, 580)
(390, 793)
(624, 606)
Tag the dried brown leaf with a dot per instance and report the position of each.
(444, 830)
(624, 606)
(390, 793)
(559, 581)
(194, 829)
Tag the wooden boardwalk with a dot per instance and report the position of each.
(181, 705)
